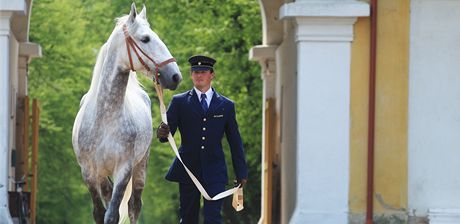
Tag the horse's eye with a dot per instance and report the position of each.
(145, 39)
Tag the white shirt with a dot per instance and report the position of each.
(208, 93)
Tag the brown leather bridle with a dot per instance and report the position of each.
(130, 43)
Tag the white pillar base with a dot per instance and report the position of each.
(444, 216)
(303, 216)
(5, 217)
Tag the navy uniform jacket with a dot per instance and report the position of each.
(201, 134)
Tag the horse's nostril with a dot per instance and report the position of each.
(176, 78)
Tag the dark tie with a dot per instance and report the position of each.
(204, 104)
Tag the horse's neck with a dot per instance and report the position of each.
(112, 86)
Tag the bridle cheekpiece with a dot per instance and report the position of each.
(130, 43)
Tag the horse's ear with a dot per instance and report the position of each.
(132, 14)
(143, 13)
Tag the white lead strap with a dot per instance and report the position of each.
(237, 191)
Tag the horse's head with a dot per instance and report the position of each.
(144, 50)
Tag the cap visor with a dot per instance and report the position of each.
(201, 68)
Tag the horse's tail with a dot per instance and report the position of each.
(123, 210)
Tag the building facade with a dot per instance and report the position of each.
(15, 54)
(334, 134)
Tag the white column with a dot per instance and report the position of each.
(324, 31)
(265, 54)
(4, 115)
(27, 51)
(434, 111)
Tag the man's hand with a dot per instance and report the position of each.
(162, 131)
(242, 182)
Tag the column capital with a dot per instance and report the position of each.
(19, 6)
(331, 29)
(326, 8)
(30, 50)
(5, 21)
(266, 55)
(328, 20)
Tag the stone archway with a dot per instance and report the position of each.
(271, 142)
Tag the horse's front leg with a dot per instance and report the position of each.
(106, 190)
(98, 207)
(135, 202)
(121, 181)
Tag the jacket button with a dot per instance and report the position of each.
(203, 138)
(202, 147)
(204, 129)
(204, 119)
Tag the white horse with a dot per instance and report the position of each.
(113, 129)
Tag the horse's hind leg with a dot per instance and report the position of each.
(135, 202)
(98, 207)
(121, 181)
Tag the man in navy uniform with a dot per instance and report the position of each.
(203, 116)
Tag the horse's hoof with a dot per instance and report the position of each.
(111, 220)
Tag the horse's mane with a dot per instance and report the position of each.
(97, 68)
(101, 56)
(133, 86)
(121, 20)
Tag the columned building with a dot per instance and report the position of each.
(15, 54)
(327, 108)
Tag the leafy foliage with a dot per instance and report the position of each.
(71, 32)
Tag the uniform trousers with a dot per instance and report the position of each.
(190, 204)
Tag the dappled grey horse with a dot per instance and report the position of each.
(113, 129)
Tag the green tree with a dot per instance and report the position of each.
(71, 32)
